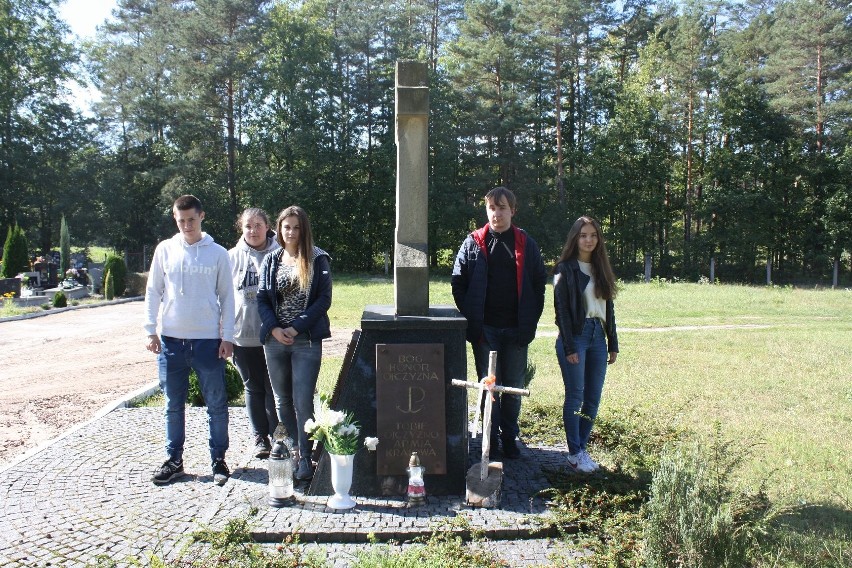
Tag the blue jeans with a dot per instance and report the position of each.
(260, 401)
(511, 369)
(583, 383)
(293, 372)
(176, 359)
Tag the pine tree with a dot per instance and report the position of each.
(15, 256)
(807, 69)
(687, 49)
(36, 126)
(486, 66)
(807, 74)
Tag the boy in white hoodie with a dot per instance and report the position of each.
(190, 294)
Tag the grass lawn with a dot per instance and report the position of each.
(772, 366)
(786, 387)
(97, 254)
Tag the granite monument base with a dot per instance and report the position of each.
(356, 392)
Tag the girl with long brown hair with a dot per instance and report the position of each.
(584, 288)
(293, 299)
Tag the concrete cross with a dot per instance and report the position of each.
(411, 257)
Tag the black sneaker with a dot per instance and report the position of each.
(221, 473)
(304, 471)
(261, 447)
(511, 449)
(168, 471)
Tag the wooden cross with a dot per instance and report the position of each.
(486, 413)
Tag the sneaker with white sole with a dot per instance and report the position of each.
(168, 471)
(589, 461)
(221, 473)
(578, 464)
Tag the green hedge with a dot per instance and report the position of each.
(115, 266)
(233, 384)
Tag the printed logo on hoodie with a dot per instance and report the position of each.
(250, 283)
(189, 269)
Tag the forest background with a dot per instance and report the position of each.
(692, 130)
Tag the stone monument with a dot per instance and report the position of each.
(411, 256)
(419, 347)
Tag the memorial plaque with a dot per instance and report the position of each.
(410, 392)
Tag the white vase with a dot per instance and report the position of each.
(341, 481)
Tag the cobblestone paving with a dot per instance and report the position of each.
(90, 494)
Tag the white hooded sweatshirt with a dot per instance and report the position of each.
(189, 291)
(245, 272)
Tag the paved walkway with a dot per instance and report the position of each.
(90, 494)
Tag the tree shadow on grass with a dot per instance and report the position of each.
(607, 480)
(820, 519)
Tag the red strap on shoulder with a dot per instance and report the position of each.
(479, 238)
(520, 247)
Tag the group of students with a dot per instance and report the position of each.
(265, 304)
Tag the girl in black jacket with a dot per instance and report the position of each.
(583, 289)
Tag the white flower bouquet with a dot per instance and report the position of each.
(337, 430)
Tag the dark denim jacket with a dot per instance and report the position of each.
(313, 322)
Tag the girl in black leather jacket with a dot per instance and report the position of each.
(583, 289)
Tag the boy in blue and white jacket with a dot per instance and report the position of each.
(498, 285)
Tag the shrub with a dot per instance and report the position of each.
(233, 385)
(233, 545)
(109, 285)
(636, 439)
(15, 256)
(694, 517)
(136, 282)
(60, 300)
(116, 267)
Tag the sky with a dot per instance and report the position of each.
(84, 15)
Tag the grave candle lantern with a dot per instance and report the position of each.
(416, 485)
(280, 470)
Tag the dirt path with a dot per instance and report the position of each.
(59, 370)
